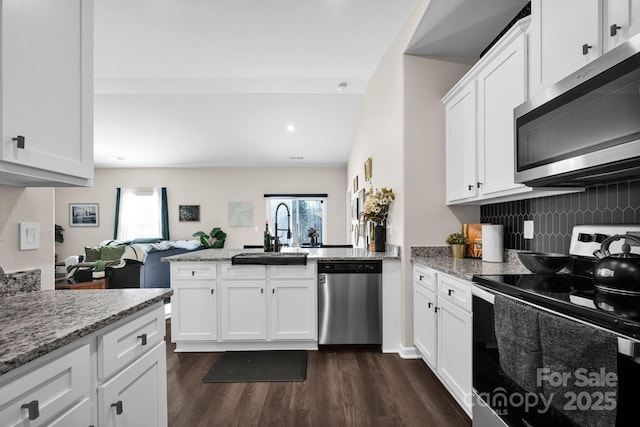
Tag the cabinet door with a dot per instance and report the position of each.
(137, 396)
(194, 310)
(47, 92)
(79, 415)
(293, 309)
(622, 21)
(502, 86)
(50, 388)
(454, 350)
(562, 28)
(424, 323)
(461, 144)
(242, 310)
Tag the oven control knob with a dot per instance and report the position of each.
(583, 237)
(599, 238)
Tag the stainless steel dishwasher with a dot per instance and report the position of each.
(350, 302)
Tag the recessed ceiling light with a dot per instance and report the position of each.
(296, 158)
(291, 128)
(342, 86)
(116, 158)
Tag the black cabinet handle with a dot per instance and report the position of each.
(118, 406)
(585, 49)
(273, 291)
(421, 278)
(143, 337)
(449, 292)
(19, 141)
(429, 305)
(193, 273)
(479, 184)
(470, 187)
(436, 309)
(212, 291)
(613, 30)
(33, 408)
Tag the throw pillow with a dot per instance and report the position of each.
(111, 253)
(146, 240)
(91, 254)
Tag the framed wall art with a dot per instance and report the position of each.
(189, 213)
(368, 169)
(83, 215)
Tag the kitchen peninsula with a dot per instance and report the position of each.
(219, 306)
(83, 357)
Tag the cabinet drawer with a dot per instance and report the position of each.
(243, 271)
(79, 415)
(193, 270)
(122, 346)
(293, 271)
(425, 277)
(50, 389)
(454, 290)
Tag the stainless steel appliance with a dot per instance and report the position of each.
(350, 302)
(501, 398)
(586, 128)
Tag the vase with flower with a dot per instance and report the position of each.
(376, 210)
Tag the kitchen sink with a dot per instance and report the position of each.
(270, 258)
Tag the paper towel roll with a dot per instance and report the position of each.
(493, 243)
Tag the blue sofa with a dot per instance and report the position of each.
(152, 274)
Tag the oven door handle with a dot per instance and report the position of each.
(481, 293)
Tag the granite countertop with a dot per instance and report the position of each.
(34, 324)
(468, 267)
(315, 254)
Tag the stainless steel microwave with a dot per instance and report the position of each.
(585, 129)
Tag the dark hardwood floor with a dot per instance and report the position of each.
(361, 387)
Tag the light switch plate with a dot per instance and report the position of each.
(528, 229)
(29, 236)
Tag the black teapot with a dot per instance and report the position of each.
(618, 273)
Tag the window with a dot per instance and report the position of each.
(140, 213)
(305, 211)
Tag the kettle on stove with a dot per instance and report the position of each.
(618, 273)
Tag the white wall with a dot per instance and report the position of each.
(27, 205)
(212, 189)
(401, 128)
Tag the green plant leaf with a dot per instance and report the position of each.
(214, 231)
(198, 234)
(218, 244)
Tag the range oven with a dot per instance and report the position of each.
(552, 350)
(586, 128)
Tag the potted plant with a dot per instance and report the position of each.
(313, 235)
(213, 240)
(457, 243)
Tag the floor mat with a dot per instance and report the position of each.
(258, 366)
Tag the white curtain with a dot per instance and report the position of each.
(140, 213)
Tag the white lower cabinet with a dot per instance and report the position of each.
(443, 329)
(243, 310)
(122, 365)
(137, 395)
(218, 306)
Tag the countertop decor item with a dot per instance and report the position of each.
(493, 243)
(376, 210)
(543, 262)
(457, 242)
(474, 234)
(618, 273)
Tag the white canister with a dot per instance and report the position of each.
(493, 243)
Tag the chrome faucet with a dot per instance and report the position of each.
(276, 243)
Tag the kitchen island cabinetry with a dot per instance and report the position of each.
(258, 307)
(443, 328)
(97, 359)
(194, 305)
(47, 93)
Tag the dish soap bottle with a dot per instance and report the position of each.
(267, 237)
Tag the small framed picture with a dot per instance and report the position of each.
(83, 215)
(368, 169)
(189, 213)
(355, 184)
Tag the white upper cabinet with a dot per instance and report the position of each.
(461, 143)
(502, 86)
(566, 35)
(47, 93)
(621, 21)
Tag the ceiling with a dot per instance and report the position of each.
(461, 28)
(215, 83)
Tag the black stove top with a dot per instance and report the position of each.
(572, 295)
